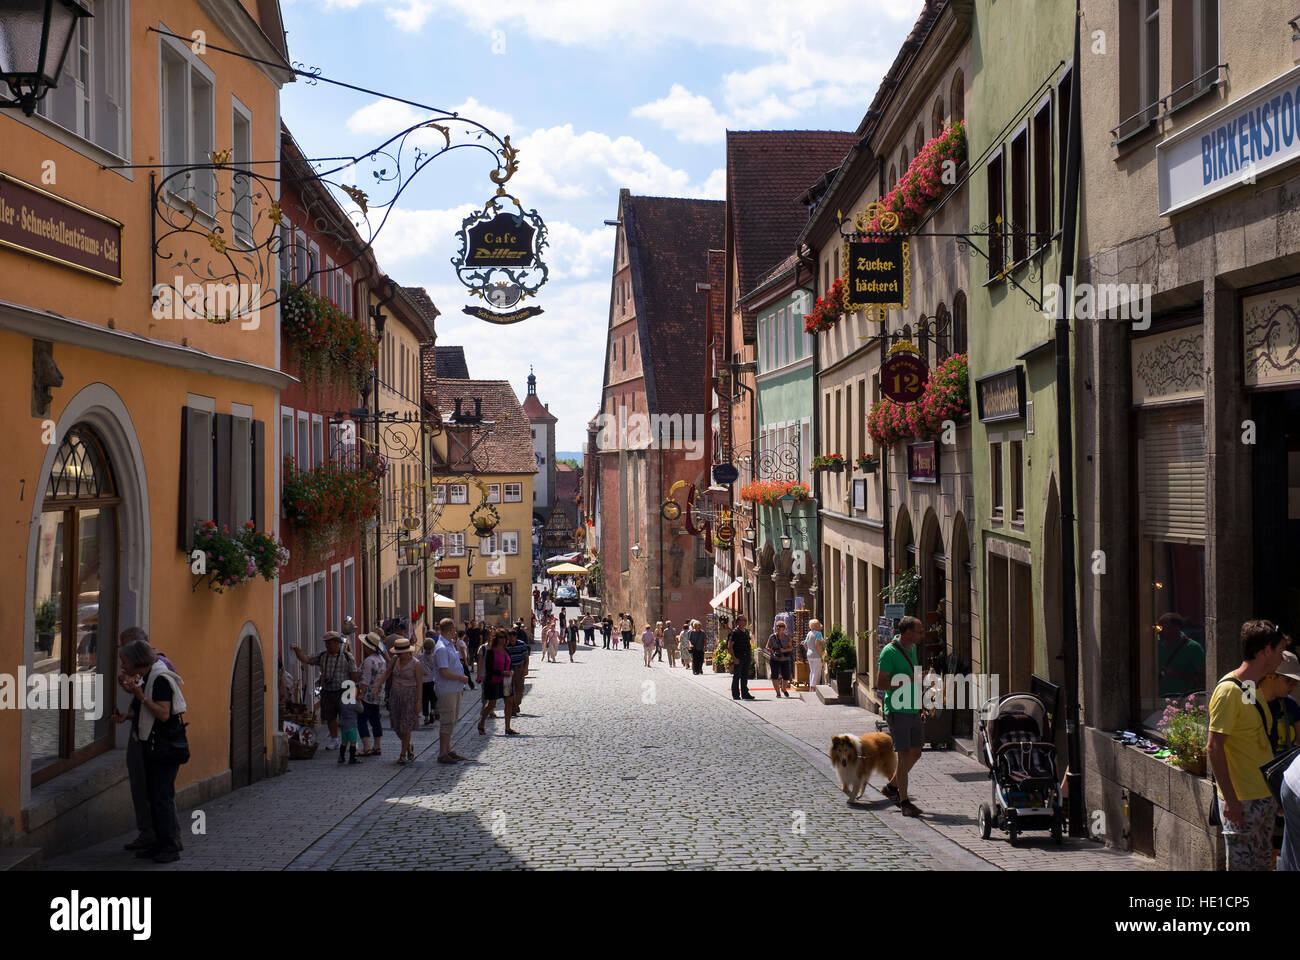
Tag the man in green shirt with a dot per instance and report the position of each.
(896, 678)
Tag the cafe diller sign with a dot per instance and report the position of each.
(500, 260)
(39, 223)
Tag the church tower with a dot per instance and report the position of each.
(543, 426)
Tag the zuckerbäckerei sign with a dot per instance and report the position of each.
(1238, 144)
(39, 223)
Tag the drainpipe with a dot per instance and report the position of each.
(1065, 439)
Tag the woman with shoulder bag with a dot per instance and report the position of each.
(156, 709)
(496, 674)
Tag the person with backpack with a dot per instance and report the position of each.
(901, 699)
(1240, 743)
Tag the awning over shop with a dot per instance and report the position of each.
(440, 601)
(729, 597)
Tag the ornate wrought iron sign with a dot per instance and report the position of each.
(500, 258)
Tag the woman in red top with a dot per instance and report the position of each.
(493, 669)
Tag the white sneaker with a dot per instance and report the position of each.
(333, 744)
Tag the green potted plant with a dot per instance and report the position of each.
(841, 660)
(721, 659)
(47, 615)
(1185, 726)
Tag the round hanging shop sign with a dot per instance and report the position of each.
(903, 377)
(500, 260)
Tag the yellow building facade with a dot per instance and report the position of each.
(482, 467)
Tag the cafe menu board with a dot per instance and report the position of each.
(879, 274)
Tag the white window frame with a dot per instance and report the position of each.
(336, 597)
(329, 281)
(487, 546)
(202, 193)
(109, 26)
(242, 201)
(438, 494)
(349, 307)
(459, 493)
(317, 440)
(518, 492)
(320, 606)
(349, 588)
(288, 439)
(304, 424)
(510, 543)
(494, 492)
(317, 277)
(456, 544)
(241, 464)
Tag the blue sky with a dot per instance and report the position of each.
(598, 95)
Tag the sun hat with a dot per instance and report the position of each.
(399, 644)
(1289, 667)
(373, 642)
(333, 635)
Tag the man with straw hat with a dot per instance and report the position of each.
(335, 670)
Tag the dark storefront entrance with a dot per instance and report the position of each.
(1276, 500)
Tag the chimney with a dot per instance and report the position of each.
(478, 408)
(456, 416)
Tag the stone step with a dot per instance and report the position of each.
(829, 694)
(20, 858)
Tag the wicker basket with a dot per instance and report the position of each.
(298, 752)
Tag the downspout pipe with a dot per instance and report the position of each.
(1065, 439)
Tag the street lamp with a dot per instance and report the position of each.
(785, 541)
(787, 504)
(750, 535)
(34, 40)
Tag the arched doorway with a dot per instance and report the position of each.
(904, 552)
(932, 566)
(98, 416)
(247, 716)
(959, 609)
(75, 602)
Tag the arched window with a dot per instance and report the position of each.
(75, 602)
(918, 142)
(958, 97)
(943, 333)
(959, 323)
(902, 166)
(893, 177)
(936, 117)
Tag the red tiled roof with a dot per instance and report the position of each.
(767, 171)
(509, 448)
(668, 241)
(536, 410)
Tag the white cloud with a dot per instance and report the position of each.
(690, 116)
(561, 163)
(384, 118)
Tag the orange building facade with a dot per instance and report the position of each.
(129, 425)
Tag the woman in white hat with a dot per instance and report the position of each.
(370, 688)
(404, 696)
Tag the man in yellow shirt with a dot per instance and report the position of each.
(1239, 745)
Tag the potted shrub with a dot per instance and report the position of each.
(47, 615)
(1185, 726)
(841, 661)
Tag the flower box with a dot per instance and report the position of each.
(946, 397)
(327, 342)
(834, 462)
(868, 464)
(770, 492)
(231, 559)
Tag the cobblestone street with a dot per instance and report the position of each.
(618, 767)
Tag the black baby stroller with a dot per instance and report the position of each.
(1015, 743)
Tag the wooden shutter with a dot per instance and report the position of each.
(185, 502)
(259, 472)
(223, 490)
(1171, 488)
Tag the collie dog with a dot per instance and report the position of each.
(856, 758)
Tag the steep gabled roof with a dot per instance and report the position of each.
(450, 363)
(536, 410)
(668, 241)
(509, 448)
(767, 171)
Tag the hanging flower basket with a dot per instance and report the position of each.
(329, 344)
(769, 492)
(868, 463)
(834, 462)
(946, 397)
(328, 503)
(924, 180)
(826, 310)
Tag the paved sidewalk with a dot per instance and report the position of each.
(948, 786)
